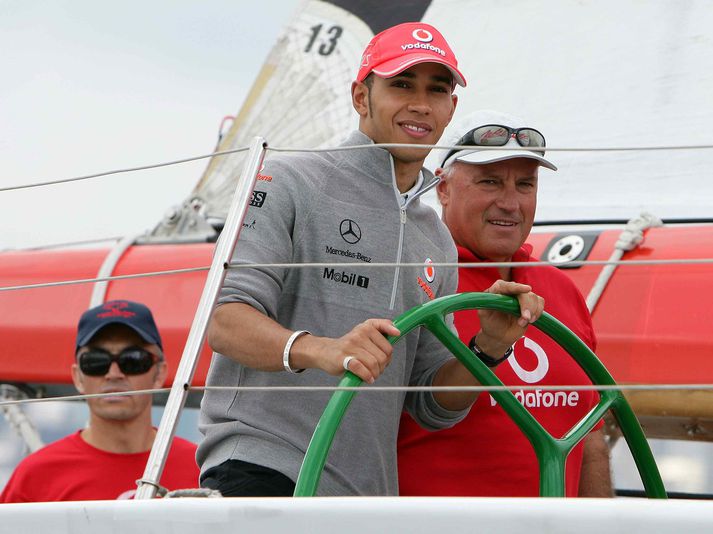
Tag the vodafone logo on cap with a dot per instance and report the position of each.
(429, 271)
(422, 35)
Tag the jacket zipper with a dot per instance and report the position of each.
(402, 226)
(402, 229)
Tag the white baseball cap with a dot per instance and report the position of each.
(470, 131)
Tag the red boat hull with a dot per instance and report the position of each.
(652, 321)
(38, 326)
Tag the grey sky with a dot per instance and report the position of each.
(93, 86)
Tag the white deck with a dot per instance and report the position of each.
(346, 515)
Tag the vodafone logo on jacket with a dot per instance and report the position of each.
(537, 398)
(429, 271)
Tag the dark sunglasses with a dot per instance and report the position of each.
(131, 361)
(499, 135)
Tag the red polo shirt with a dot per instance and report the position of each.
(486, 454)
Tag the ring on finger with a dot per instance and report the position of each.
(346, 361)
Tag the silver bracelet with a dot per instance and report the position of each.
(286, 351)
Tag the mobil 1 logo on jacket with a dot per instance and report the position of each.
(344, 243)
(341, 276)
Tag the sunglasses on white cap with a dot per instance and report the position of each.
(500, 135)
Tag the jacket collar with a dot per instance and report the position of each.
(373, 162)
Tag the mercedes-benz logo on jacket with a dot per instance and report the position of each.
(350, 231)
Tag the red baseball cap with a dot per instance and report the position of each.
(399, 47)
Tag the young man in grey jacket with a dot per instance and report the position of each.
(305, 326)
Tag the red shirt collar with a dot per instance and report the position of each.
(466, 256)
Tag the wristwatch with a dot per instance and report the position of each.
(487, 359)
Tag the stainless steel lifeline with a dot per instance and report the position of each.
(149, 483)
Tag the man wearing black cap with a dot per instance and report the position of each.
(118, 349)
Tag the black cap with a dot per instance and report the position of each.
(132, 314)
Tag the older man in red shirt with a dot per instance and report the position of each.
(489, 200)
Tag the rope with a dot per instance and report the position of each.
(630, 238)
(633, 234)
(17, 419)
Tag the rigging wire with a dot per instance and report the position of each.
(104, 278)
(353, 147)
(66, 244)
(120, 171)
(371, 388)
(494, 148)
(479, 389)
(362, 265)
(41, 400)
(469, 265)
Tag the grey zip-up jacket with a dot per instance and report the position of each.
(335, 207)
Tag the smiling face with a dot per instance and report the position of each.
(489, 209)
(115, 338)
(412, 107)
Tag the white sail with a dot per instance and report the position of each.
(589, 74)
(598, 74)
(301, 97)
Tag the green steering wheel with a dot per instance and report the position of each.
(551, 453)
